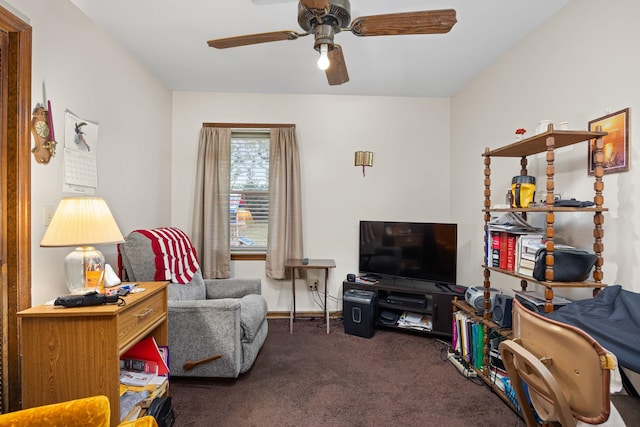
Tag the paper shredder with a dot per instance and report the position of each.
(359, 312)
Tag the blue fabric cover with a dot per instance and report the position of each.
(612, 318)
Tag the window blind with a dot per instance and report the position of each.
(249, 190)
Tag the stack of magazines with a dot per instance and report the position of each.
(417, 321)
(144, 375)
(511, 222)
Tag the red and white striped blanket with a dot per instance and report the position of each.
(175, 256)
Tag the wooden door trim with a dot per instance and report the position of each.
(17, 196)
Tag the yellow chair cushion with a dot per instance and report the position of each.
(147, 421)
(86, 412)
(89, 411)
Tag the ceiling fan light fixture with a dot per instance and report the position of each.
(323, 61)
(325, 18)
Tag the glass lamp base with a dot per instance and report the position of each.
(85, 270)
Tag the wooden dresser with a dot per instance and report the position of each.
(69, 353)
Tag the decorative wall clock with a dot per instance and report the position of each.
(43, 135)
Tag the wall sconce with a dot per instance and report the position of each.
(364, 158)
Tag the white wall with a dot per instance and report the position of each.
(578, 66)
(408, 181)
(81, 69)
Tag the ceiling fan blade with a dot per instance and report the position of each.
(315, 4)
(425, 22)
(253, 39)
(337, 72)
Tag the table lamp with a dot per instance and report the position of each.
(82, 222)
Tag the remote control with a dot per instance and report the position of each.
(305, 261)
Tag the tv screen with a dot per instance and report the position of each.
(422, 251)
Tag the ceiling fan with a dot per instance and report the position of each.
(325, 18)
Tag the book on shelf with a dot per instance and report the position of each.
(478, 347)
(469, 339)
(493, 249)
(523, 271)
(152, 384)
(454, 333)
(511, 251)
(503, 250)
(527, 263)
(164, 352)
(131, 378)
(148, 350)
(139, 365)
(497, 377)
(458, 318)
(527, 247)
(530, 256)
(530, 243)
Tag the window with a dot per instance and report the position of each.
(249, 190)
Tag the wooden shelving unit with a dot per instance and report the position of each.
(546, 142)
(484, 373)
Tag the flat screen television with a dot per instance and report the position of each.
(412, 250)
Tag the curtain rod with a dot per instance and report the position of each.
(247, 125)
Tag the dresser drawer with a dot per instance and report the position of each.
(134, 320)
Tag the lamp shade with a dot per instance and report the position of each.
(80, 221)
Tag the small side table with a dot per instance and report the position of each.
(322, 264)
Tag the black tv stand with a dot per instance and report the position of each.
(409, 297)
(416, 301)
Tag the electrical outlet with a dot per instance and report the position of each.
(47, 214)
(313, 284)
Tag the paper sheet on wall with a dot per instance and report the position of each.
(80, 155)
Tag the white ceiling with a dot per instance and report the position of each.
(169, 37)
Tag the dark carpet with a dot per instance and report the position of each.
(314, 379)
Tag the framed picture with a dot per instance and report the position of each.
(616, 143)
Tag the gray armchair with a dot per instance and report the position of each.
(207, 317)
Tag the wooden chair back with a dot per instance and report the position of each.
(566, 371)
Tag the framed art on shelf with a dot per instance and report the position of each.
(616, 143)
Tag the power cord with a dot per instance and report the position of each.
(320, 301)
(317, 299)
(463, 366)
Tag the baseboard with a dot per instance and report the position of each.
(303, 315)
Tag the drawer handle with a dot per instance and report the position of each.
(147, 312)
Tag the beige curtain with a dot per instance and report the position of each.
(210, 234)
(284, 240)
